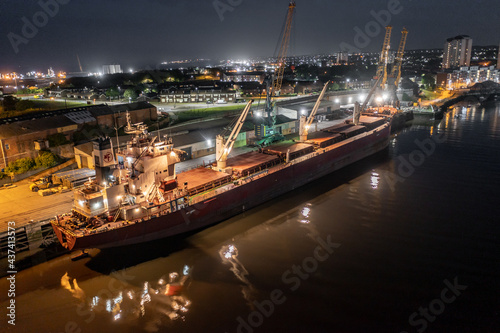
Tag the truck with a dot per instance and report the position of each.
(42, 184)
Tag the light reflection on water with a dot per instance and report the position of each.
(375, 179)
(229, 256)
(166, 297)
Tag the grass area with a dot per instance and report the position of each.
(41, 106)
(217, 111)
(430, 95)
(56, 105)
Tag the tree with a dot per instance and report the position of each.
(57, 139)
(9, 103)
(406, 83)
(147, 78)
(428, 81)
(21, 165)
(130, 93)
(46, 159)
(334, 86)
(30, 91)
(112, 92)
(306, 72)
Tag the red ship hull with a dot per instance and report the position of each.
(237, 200)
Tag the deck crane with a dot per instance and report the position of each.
(224, 146)
(395, 75)
(381, 75)
(306, 124)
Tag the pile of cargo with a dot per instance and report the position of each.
(73, 178)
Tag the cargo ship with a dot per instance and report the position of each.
(137, 196)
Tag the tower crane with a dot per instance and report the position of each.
(224, 146)
(306, 124)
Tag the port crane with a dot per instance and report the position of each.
(305, 124)
(273, 84)
(395, 75)
(381, 74)
(223, 146)
(285, 43)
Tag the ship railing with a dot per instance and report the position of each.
(212, 193)
(305, 157)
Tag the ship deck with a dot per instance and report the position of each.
(325, 139)
(353, 130)
(284, 147)
(251, 162)
(370, 122)
(337, 128)
(202, 179)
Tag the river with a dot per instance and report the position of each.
(404, 241)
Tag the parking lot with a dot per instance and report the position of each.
(21, 205)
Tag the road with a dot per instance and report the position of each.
(21, 205)
(444, 95)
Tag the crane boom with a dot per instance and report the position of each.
(384, 56)
(306, 124)
(285, 42)
(381, 75)
(396, 68)
(223, 147)
(370, 95)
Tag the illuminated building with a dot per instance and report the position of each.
(457, 52)
(111, 69)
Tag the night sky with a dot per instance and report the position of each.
(144, 33)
